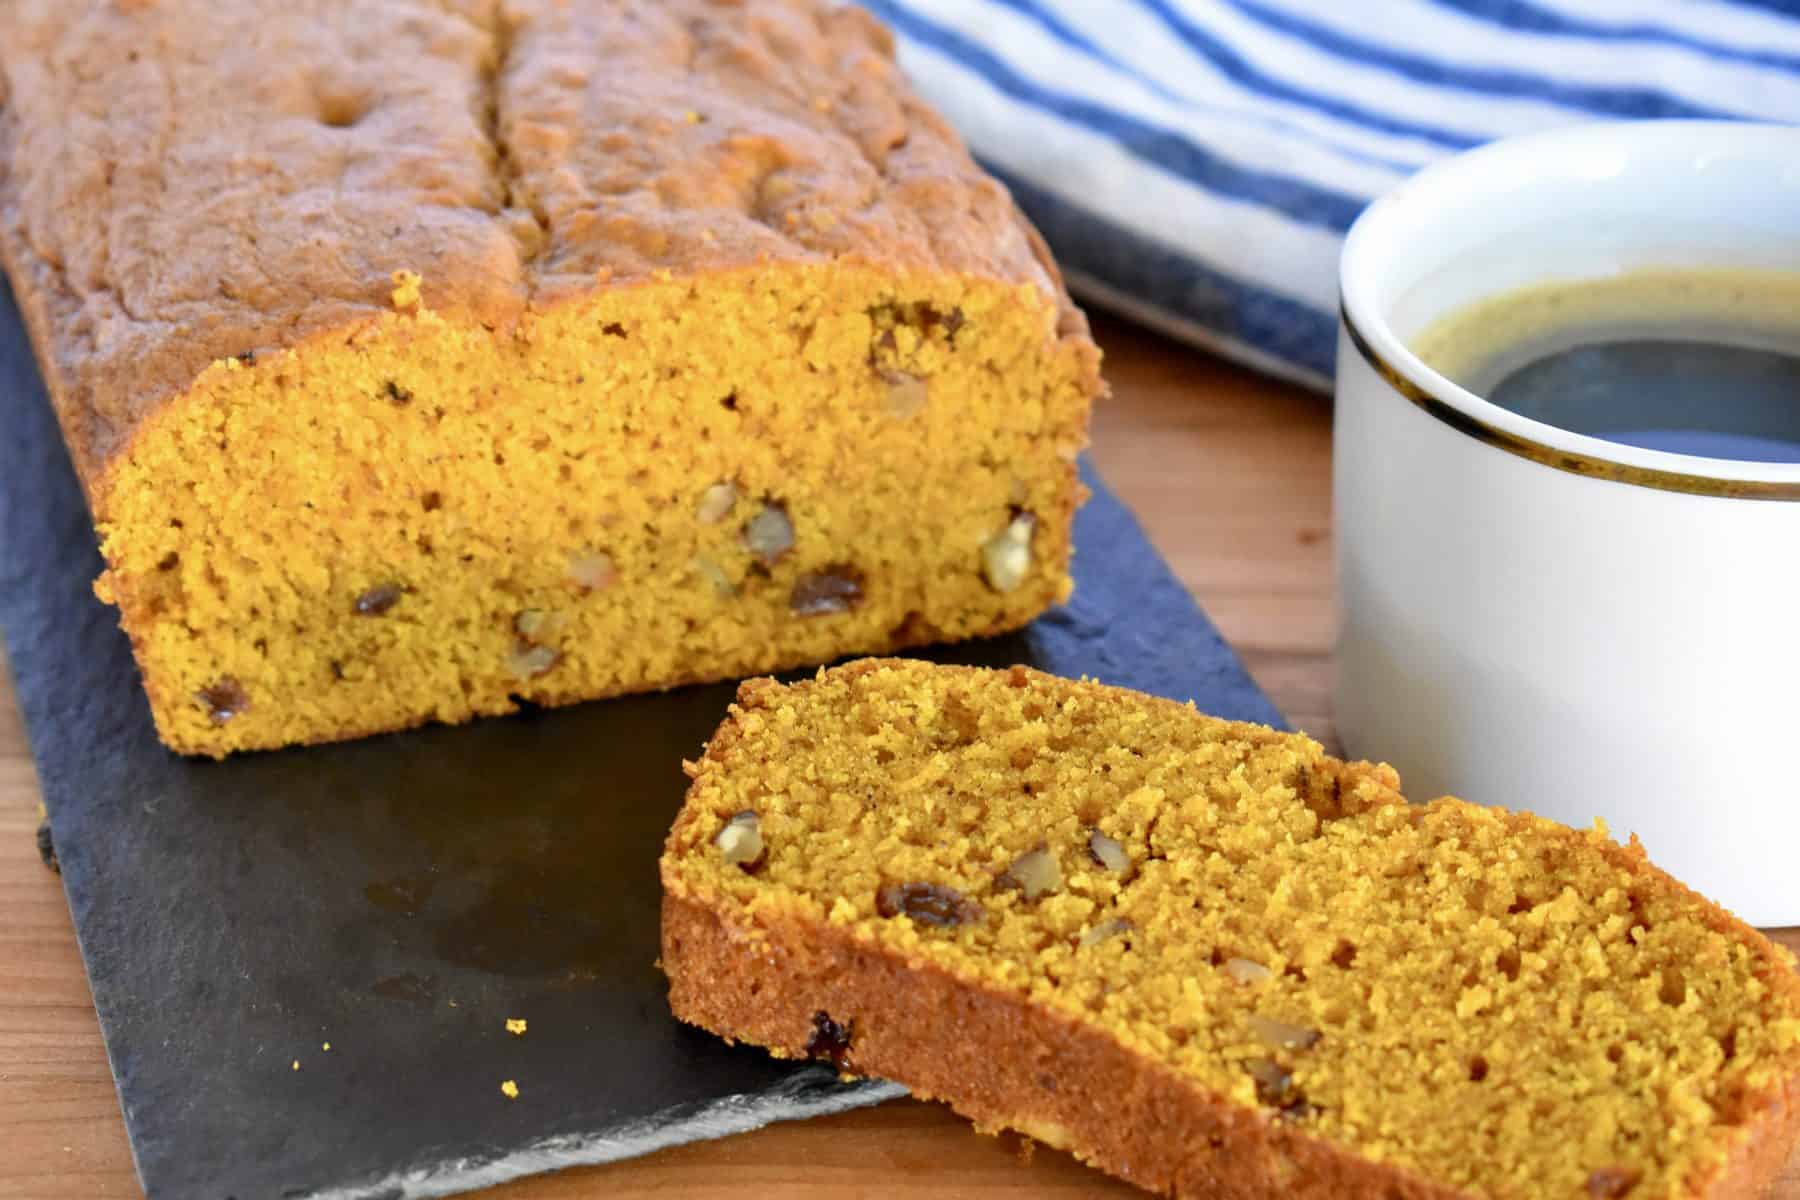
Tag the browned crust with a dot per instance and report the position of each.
(1755, 1162)
(32, 288)
(801, 89)
(1001, 1061)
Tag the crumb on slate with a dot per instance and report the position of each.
(47, 848)
(515, 1026)
(510, 1090)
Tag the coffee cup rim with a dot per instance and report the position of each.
(1592, 151)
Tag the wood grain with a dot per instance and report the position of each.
(1230, 475)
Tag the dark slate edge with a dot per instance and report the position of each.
(52, 702)
(811, 1092)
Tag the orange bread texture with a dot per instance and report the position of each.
(418, 358)
(1210, 959)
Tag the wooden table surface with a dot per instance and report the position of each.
(1231, 476)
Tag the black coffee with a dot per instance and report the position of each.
(1687, 397)
(1703, 362)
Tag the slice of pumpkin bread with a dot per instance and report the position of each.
(1210, 959)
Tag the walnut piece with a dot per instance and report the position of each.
(378, 600)
(536, 624)
(769, 535)
(528, 661)
(1281, 1033)
(1108, 853)
(835, 589)
(928, 904)
(1112, 927)
(740, 840)
(1006, 557)
(714, 574)
(716, 502)
(592, 570)
(906, 394)
(1245, 970)
(1035, 873)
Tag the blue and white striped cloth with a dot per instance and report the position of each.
(1195, 163)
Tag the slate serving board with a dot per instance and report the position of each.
(401, 897)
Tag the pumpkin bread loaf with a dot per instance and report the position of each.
(422, 357)
(1210, 959)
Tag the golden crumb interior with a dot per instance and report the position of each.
(670, 481)
(1505, 1004)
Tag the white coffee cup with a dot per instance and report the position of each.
(1548, 621)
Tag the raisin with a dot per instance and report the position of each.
(914, 630)
(378, 600)
(835, 589)
(830, 1040)
(929, 903)
(1609, 1183)
(224, 699)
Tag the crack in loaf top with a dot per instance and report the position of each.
(183, 181)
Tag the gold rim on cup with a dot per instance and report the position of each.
(1585, 465)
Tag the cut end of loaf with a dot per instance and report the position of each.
(1218, 961)
(673, 481)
